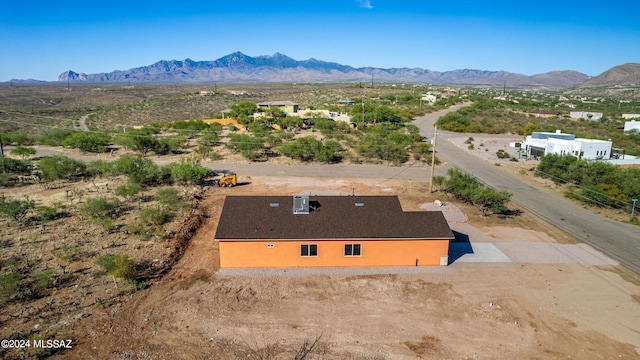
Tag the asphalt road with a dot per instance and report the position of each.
(617, 240)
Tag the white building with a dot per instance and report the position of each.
(632, 125)
(587, 115)
(544, 143)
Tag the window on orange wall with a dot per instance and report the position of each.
(308, 250)
(352, 249)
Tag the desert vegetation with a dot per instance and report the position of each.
(593, 182)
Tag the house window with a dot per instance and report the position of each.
(352, 249)
(308, 249)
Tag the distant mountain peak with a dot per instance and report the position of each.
(239, 67)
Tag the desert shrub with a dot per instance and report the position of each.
(44, 279)
(67, 253)
(308, 148)
(248, 146)
(48, 213)
(9, 165)
(326, 126)
(15, 209)
(139, 170)
(99, 167)
(454, 121)
(169, 197)
(194, 125)
(467, 188)
(501, 154)
(55, 137)
(128, 191)
(170, 145)
(18, 139)
(377, 146)
(87, 141)
(119, 266)
(8, 285)
(99, 207)
(154, 217)
(139, 140)
(60, 167)
(23, 151)
(189, 171)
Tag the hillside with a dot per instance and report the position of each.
(623, 75)
(240, 68)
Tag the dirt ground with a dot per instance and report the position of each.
(467, 310)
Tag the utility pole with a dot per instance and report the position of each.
(363, 111)
(433, 157)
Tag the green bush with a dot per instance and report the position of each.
(168, 197)
(55, 137)
(8, 285)
(23, 151)
(153, 217)
(501, 154)
(99, 167)
(248, 146)
(467, 188)
(44, 279)
(60, 167)
(15, 209)
(128, 191)
(139, 170)
(48, 213)
(189, 171)
(308, 148)
(86, 141)
(67, 253)
(99, 207)
(377, 146)
(120, 266)
(13, 166)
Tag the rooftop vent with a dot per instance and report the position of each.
(300, 204)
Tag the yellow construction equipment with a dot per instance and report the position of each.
(228, 180)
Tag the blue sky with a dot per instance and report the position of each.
(41, 39)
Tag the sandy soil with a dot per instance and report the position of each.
(523, 307)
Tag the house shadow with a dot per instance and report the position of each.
(459, 246)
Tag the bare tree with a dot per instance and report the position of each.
(306, 348)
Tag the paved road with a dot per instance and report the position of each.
(619, 241)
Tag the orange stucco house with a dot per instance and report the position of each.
(317, 231)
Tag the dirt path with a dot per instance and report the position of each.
(82, 122)
(467, 310)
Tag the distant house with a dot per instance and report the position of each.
(288, 107)
(544, 143)
(587, 115)
(632, 125)
(325, 231)
(429, 98)
(345, 102)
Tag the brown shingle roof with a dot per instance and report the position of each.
(331, 217)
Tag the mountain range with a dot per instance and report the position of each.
(240, 68)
